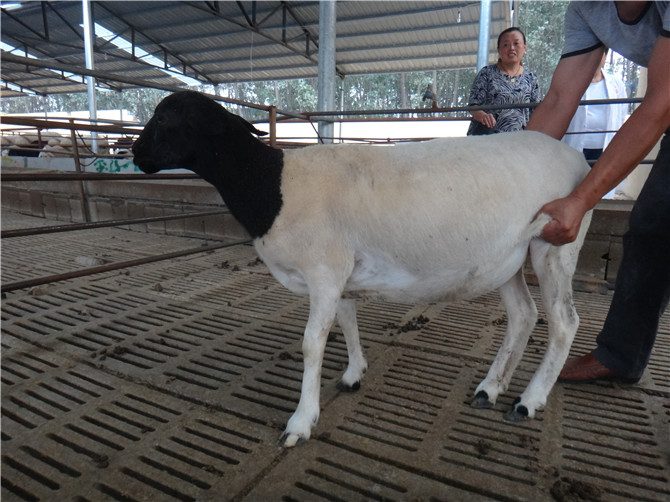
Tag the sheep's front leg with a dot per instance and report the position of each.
(323, 306)
(522, 316)
(346, 317)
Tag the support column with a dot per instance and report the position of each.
(484, 33)
(327, 76)
(89, 34)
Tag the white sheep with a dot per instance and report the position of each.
(54, 150)
(441, 220)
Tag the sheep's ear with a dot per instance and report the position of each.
(249, 126)
(218, 120)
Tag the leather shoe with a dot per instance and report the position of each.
(587, 369)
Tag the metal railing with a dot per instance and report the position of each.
(81, 176)
(30, 283)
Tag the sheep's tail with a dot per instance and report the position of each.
(534, 229)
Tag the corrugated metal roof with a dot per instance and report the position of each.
(220, 42)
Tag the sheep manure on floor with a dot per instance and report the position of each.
(441, 220)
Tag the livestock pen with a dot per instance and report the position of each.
(173, 379)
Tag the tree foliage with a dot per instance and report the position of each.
(542, 23)
(140, 102)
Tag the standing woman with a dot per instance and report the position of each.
(582, 133)
(589, 119)
(504, 83)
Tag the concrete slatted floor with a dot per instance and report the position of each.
(174, 380)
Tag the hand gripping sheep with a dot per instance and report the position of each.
(441, 220)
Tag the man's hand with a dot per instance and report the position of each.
(567, 215)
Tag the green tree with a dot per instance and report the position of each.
(543, 24)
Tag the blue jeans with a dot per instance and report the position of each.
(642, 286)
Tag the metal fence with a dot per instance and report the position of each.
(80, 150)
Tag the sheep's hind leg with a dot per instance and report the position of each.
(346, 317)
(322, 309)
(554, 267)
(522, 316)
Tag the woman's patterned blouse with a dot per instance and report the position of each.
(493, 87)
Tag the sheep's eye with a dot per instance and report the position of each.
(161, 120)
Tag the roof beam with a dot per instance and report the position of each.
(21, 88)
(41, 36)
(309, 38)
(45, 20)
(453, 6)
(271, 13)
(197, 74)
(11, 58)
(250, 21)
(75, 30)
(301, 24)
(417, 29)
(27, 43)
(204, 52)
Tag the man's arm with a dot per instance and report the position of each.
(628, 147)
(571, 79)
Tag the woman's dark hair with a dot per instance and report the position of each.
(509, 30)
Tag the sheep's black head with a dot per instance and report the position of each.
(185, 128)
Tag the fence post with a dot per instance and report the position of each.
(273, 126)
(77, 165)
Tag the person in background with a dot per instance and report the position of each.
(589, 118)
(639, 31)
(504, 83)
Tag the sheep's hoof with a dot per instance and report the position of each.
(289, 440)
(343, 387)
(518, 413)
(481, 401)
